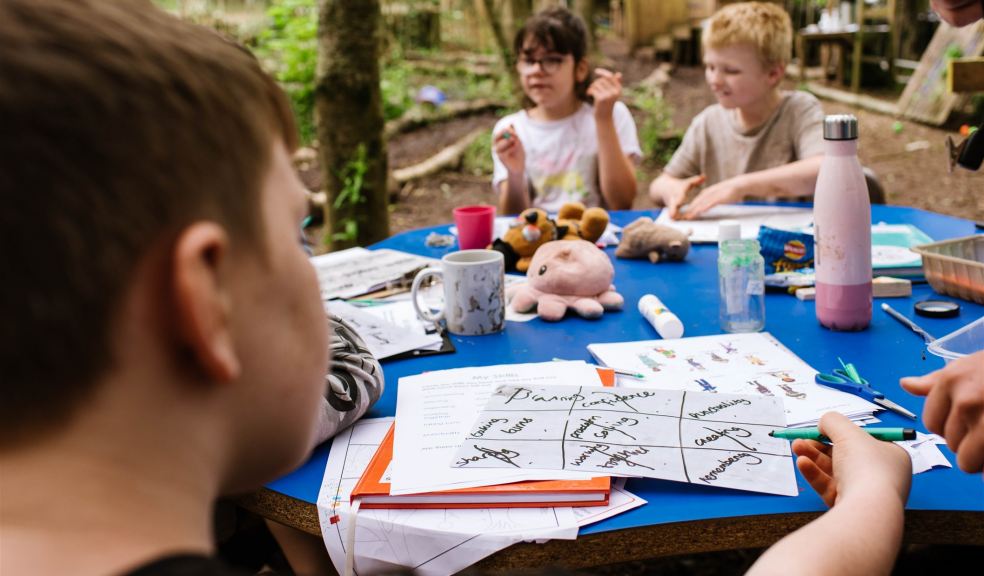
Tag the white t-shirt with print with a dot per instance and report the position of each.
(562, 155)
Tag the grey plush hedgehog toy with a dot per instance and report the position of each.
(647, 239)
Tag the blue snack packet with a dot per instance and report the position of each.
(785, 251)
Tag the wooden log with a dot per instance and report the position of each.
(882, 287)
(448, 111)
(447, 157)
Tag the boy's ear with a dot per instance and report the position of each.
(776, 73)
(202, 301)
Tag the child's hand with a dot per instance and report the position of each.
(509, 149)
(856, 463)
(727, 192)
(955, 407)
(606, 90)
(672, 192)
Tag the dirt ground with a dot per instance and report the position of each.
(911, 164)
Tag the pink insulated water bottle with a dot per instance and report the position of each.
(842, 230)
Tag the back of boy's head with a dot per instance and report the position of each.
(119, 126)
(763, 25)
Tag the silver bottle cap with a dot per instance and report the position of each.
(840, 127)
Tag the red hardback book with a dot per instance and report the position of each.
(374, 492)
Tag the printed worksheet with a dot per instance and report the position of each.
(431, 542)
(697, 437)
(435, 410)
(383, 337)
(756, 364)
(356, 271)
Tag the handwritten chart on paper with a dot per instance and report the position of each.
(697, 437)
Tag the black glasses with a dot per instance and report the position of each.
(549, 64)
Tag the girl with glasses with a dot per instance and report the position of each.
(574, 141)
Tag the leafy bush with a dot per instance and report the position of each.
(477, 158)
(656, 133)
(288, 48)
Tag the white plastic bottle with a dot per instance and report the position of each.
(842, 230)
(665, 322)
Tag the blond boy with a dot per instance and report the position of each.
(758, 140)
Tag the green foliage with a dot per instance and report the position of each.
(477, 158)
(656, 132)
(353, 177)
(395, 86)
(289, 49)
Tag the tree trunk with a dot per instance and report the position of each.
(494, 17)
(349, 117)
(585, 9)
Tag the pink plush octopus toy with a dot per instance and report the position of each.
(568, 274)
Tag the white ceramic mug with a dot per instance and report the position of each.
(474, 292)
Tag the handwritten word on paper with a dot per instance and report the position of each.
(698, 437)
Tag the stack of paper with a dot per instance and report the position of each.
(734, 364)
(357, 271)
(387, 330)
(431, 542)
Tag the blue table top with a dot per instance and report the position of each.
(885, 352)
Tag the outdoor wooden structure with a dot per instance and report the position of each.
(966, 75)
(926, 97)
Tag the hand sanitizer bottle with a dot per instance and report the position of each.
(842, 230)
(741, 270)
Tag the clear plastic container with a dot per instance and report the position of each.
(955, 267)
(960, 343)
(741, 274)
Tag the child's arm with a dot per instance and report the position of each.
(790, 180)
(866, 483)
(955, 407)
(514, 193)
(671, 191)
(616, 174)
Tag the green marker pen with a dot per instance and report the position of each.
(887, 434)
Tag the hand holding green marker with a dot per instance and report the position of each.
(813, 433)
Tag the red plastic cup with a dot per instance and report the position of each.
(475, 224)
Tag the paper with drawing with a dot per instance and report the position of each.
(697, 437)
(436, 409)
(733, 364)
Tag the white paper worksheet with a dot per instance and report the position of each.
(697, 437)
(430, 542)
(733, 364)
(357, 271)
(435, 410)
(751, 217)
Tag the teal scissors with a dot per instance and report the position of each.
(848, 380)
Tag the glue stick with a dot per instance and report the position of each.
(665, 322)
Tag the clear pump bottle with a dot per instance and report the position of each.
(741, 279)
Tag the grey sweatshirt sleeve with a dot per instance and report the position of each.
(355, 380)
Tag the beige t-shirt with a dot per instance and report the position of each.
(715, 144)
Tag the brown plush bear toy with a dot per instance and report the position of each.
(582, 223)
(533, 228)
(646, 239)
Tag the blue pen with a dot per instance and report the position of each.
(848, 380)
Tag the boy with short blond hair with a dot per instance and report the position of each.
(757, 141)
